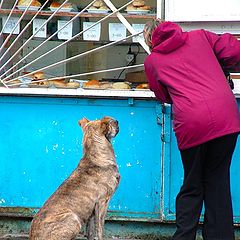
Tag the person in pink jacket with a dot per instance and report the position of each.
(186, 69)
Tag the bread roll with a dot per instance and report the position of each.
(38, 75)
(23, 2)
(42, 84)
(130, 7)
(57, 83)
(73, 84)
(138, 3)
(92, 7)
(121, 85)
(34, 3)
(142, 86)
(55, 5)
(104, 8)
(92, 84)
(67, 5)
(144, 8)
(17, 82)
(98, 4)
(51, 83)
(105, 85)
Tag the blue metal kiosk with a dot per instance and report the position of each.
(41, 144)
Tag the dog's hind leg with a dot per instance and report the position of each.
(64, 226)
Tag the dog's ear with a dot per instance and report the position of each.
(82, 123)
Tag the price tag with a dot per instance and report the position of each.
(117, 31)
(11, 23)
(37, 23)
(67, 32)
(138, 28)
(92, 34)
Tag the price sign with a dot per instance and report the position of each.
(117, 31)
(37, 23)
(67, 32)
(11, 23)
(92, 34)
(138, 28)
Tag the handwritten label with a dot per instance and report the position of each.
(92, 34)
(37, 23)
(11, 23)
(138, 28)
(117, 31)
(67, 32)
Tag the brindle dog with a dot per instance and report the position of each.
(83, 197)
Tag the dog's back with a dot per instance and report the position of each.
(87, 190)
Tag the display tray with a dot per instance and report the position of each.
(53, 9)
(102, 89)
(31, 8)
(98, 10)
(138, 12)
(36, 86)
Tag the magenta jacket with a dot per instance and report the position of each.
(183, 69)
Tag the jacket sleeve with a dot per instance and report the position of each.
(159, 90)
(227, 50)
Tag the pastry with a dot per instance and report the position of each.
(73, 84)
(130, 7)
(146, 7)
(138, 3)
(98, 4)
(92, 7)
(15, 83)
(34, 3)
(55, 5)
(105, 85)
(121, 85)
(38, 75)
(104, 8)
(92, 84)
(67, 5)
(142, 86)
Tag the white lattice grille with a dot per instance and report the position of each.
(24, 54)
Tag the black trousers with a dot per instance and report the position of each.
(206, 180)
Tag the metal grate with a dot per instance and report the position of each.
(12, 68)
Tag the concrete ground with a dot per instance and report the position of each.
(26, 238)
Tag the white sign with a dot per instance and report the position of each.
(37, 23)
(11, 24)
(138, 28)
(67, 32)
(93, 33)
(117, 31)
(204, 10)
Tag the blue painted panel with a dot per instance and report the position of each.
(41, 145)
(173, 173)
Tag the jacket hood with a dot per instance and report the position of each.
(167, 37)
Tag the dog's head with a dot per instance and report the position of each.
(107, 126)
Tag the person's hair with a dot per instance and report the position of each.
(149, 27)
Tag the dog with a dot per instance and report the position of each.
(83, 198)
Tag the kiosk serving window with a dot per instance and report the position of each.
(204, 10)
